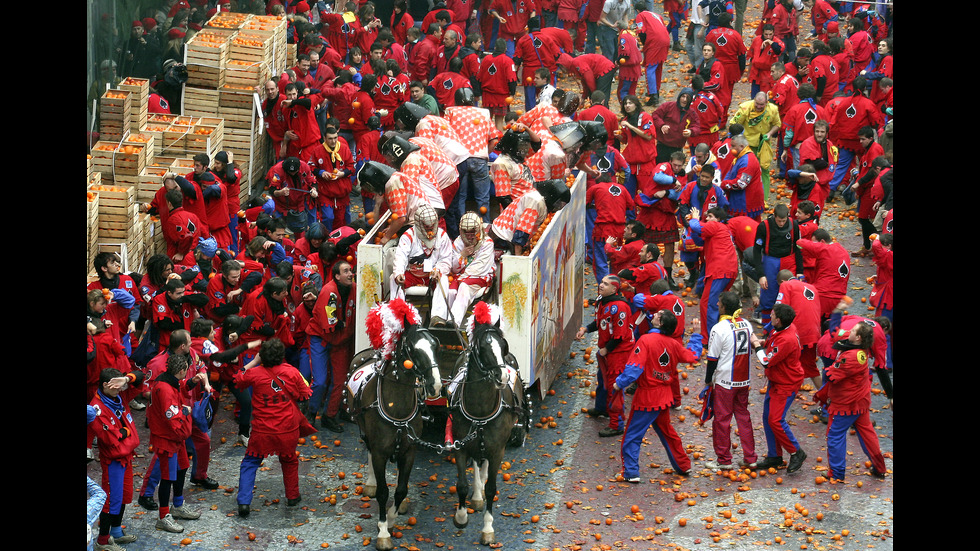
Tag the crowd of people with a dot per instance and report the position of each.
(421, 125)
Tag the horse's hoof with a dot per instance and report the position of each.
(403, 508)
(486, 538)
(383, 544)
(477, 505)
(370, 490)
(463, 524)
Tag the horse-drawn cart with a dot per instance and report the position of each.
(540, 295)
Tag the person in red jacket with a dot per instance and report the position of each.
(799, 123)
(275, 119)
(611, 202)
(593, 71)
(854, 113)
(655, 39)
(108, 354)
(228, 173)
(675, 122)
(805, 301)
(330, 332)
(866, 187)
(302, 129)
(729, 49)
(498, 82)
(171, 311)
(848, 398)
(761, 56)
(513, 16)
(267, 305)
(818, 68)
(656, 210)
(711, 116)
(626, 254)
(652, 365)
(531, 53)
(276, 420)
(630, 61)
(640, 144)
(169, 418)
(641, 277)
(713, 72)
(833, 268)
(293, 185)
(183, 228)
(112, 424)
(779, 356)
(820, 153)
(719, 261)
(422, 59)
(613, 320)
(742, 182)
(881, 293)
(333, 165)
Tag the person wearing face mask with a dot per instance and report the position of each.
(471, 267)
(512, 230)
(420, 249)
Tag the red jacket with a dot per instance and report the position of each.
(611, 203)
(257, 304)
(334, 192)
(299, 187)
(668, 301)
(333, 320)
(423, 58)
(720, 257)
(833, 270)
(516, 12)
(169, 414)
(782, 350)
(656, 39)
(881, 294)
(535, 51)
(625, 256)
(805, 301)
(849, 389)
(114, 428)
(638, 151)
(853, 113)
(657, 355)
(614, 320)
(275, 391)
(783, 94)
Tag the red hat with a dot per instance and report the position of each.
(211, 12)
(149, 23)
(302, 7)
(176, 33)
(833, 27)
(137, 23)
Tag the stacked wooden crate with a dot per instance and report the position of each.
(115, 115)
(92, 226)
(263, 25)
(140, 89)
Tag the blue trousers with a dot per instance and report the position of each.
(320, 370)
(844, 158)
(607, 42)
(475, 182)
(771, 445)
(653, 84)
(767, 297)
(590, 216)
(717, 287)
(636, 428)
(601, 398)
(246, 478)
(600, 264)
(591, 30)
(116, 473)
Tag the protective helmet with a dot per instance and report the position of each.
(410, 114)
(396, 149)
(555, 192)
(569, 104)
(291, 165)
(374, 175)
(596, 135)
(464, 96)
(515, 144)
(572, 137)
(426, 222)
(469, 223)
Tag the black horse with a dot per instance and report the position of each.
(387, 411)
(485, 406)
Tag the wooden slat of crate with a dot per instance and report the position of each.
(204, 75)
(150, 182)
(182, 165)
(237, 119)
(200, 99)
(114, 105)
(147, 141)
(246, 73)
(94, 179)
(161, 161)
(161, 118)
(228, 20)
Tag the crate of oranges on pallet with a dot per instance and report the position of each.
(277, 26)
(236, 105)
(206, 54)
(140, 90)
(115, 114)
(228, 20)
(175, 137)
(246, 75)
(119, 160)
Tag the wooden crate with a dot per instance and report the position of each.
(146, 140)
(182, 166)
(156, 130)
(121, 160)
(161, 161)
(115, 103)
(208, 47)
(208, 76)
(246, 73)
(94, 179)
(228, 20)
(252, 46)
(139, 87)
(200, 101)
(150, 182)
